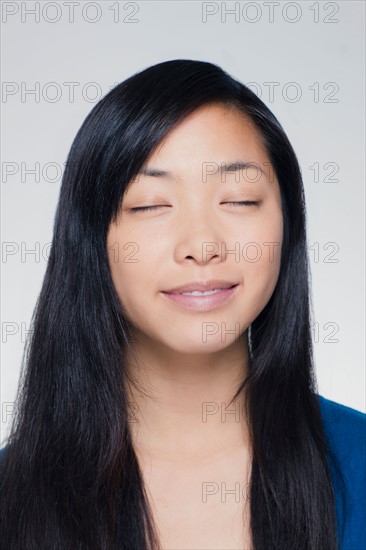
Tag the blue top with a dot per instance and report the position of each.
(345, 431)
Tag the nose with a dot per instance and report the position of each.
(209, 253)
(199, 239)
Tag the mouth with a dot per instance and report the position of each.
(202, 300)
(202, 286)
(202, 292)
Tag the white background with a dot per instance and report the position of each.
(316, 46)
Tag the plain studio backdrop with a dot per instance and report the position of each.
(306, 62)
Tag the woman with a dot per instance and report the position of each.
(169, 399)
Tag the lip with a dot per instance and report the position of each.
(201, 286)
(202, 303)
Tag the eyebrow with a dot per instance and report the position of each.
(223, 168)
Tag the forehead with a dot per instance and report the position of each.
(213, 132)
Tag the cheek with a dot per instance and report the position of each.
(132, 261)
(262, 258)
(128, 255)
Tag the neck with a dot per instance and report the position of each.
(180, 402)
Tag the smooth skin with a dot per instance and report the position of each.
(194, 452)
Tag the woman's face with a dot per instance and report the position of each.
(196, 235)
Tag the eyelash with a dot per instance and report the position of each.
(147, 208)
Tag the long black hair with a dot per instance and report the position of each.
(70, 477)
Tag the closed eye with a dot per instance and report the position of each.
(154, 207)
(244, 203)
(145, 208)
